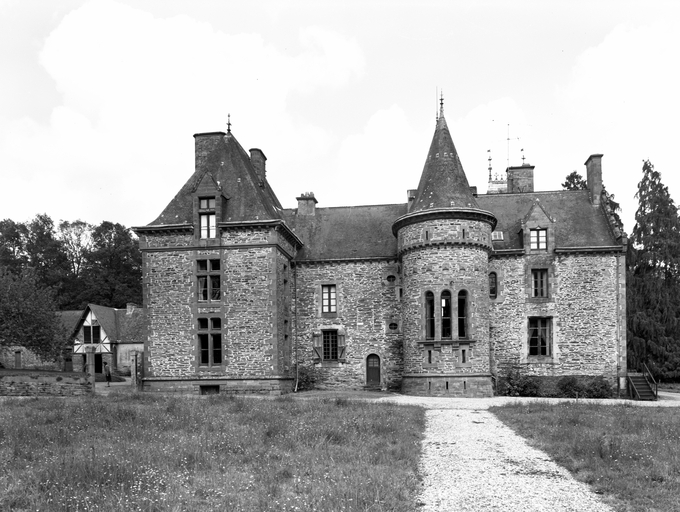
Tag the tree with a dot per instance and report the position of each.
(112, 270)
(653, 281)
(13, 237)
(27, 315)
(575, 181)
(46, 254)
(76, 238)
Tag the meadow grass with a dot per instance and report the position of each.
(630, 455)
(153, 453)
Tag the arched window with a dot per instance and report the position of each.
(446, 314)
(493, 285)
(462, 314)
(429, 315)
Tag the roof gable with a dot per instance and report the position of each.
(223, 165)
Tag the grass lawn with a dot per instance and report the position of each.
(151, 453)
(631, 455)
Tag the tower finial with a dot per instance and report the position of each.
(489, 151)
(228, 123)
(441, 103)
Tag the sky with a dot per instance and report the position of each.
(100, 99)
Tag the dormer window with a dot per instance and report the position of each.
(206, 217)
(538, 240)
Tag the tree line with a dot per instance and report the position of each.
(47, 267)
(652, 276)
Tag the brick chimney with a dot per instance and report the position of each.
(259, 162)
(520, 178)
(594, 178)
(204, 143)
(306, 203)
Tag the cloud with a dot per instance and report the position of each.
(623, 101)
(135, 88)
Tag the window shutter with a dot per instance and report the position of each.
(317, 346)
(341, 346)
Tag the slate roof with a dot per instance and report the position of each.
(443, 183)
(577, 222)
(346, 232)
(230, 166)
(118, 325)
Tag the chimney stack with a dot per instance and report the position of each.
(204, 144)
(520, 178)
(259, 162)
(306, 203)
(410, 197)
(594, 178)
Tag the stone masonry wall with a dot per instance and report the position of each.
(368, 303)
(44, 384)
(169, 293)
(582, 305)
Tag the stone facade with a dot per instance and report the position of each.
(44, 384)
(442, 295)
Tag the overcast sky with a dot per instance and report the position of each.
(99, 99)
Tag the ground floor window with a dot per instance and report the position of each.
(330, 345)
(210, 341)
(540, 336)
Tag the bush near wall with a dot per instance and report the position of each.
(569, 386)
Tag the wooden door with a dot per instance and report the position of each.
(373, 370)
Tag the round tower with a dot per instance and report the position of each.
(444, 243)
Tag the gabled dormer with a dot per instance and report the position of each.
(538, 230)
(209, 203)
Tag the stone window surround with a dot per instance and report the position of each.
(550, 339)
(210, 330)
(208, 274)
(541, 242)
(500, 285)
(319, 299)
(220, 201)
(317, 345)
(466, 349)
(437, 291)
(550, 285)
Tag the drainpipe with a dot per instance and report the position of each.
(295, 323)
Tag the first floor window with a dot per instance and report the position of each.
(539, 283)
(210, 341)
(540, 336)
(462, 314)
(209, 284)
(493, 285)
(92, 334)
(330, 345)
(328, 299)
(429, 315)
(446, 315)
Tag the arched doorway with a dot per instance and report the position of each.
(373, 371)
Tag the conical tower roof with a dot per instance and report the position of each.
(443, 191)
(443, 183)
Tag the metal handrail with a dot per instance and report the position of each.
(632, 384)
(656, 387)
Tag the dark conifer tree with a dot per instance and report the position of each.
(653, 284)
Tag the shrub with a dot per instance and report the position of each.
(569, 387)
(598, 387)
(516, 384)
(305, 379)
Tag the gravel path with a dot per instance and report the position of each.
(472, 462)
